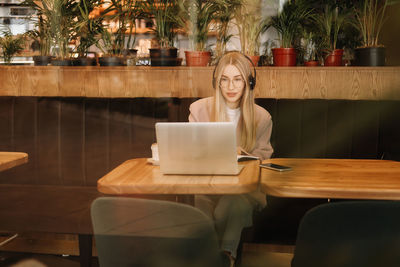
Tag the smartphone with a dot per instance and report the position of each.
(275, 167)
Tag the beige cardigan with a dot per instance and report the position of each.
(200, 111)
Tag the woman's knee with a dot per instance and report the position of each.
(234, 206)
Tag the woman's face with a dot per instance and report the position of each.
(232, 86)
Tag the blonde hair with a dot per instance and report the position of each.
(247, 118)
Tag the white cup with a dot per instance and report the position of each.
(154, 152)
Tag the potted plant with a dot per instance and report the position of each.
(41, 34)
(250, 25)
(111, 51)
(87, 29)
(197, 16)
(124, 14)
(61, 15)
(224, 15)
(309, 48)
(288, 23)
(369, 20)
(330, 24)
(166, 16)
(10, 45)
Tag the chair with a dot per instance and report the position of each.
(142, 232)
(350, 234)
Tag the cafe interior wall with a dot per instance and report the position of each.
(390, 35)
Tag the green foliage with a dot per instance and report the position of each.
(224, 15)
(370, 17)
(289, 22)
(197, 16)
(56, 23)
(250, 25)
(42, 35)
(87, 27)
(330, 24)
(10, 45)
(125, 14)
(166, 15)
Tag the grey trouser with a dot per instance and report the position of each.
(231, 213)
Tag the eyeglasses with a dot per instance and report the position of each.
(237, 82)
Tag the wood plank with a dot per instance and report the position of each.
(11, 159)
(136, 176)
(45, 243)
(334, 178)
(48, 142)
(352, 83)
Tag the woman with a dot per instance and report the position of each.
(233, 101)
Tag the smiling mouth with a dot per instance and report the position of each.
(231, 94)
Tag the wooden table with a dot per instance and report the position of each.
(11, 159)
(136, 176)
(333, 178)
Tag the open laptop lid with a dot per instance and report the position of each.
(197, 148)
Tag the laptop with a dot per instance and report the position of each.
(197, 148)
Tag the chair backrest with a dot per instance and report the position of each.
(142, 232)
(350, 234)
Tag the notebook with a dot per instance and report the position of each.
(198, 148)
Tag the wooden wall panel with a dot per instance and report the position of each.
(287, 128)
(365, 139)
(339, 129)
(352, 83)
(143, 120)
(38, 81)
(72, 82)
(48, 142)
(97, 154)
(6, 123)
(119, 131)
(72, 141)
(313, 129)
(25, 140)
(389, 130)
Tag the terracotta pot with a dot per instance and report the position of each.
(255, 60)
(284, 56)
(197, 58)
(311, 63)
(334, 58)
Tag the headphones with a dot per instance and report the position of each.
(252, 78)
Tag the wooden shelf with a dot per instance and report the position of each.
(352, 83)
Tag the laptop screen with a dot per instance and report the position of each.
(197, 147)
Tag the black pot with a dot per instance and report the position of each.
(164, 56)
(164, 52)
(85, 61)
(42, 60)
(165, 62)
(369, 56)
(111, 61)
(61, 62)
